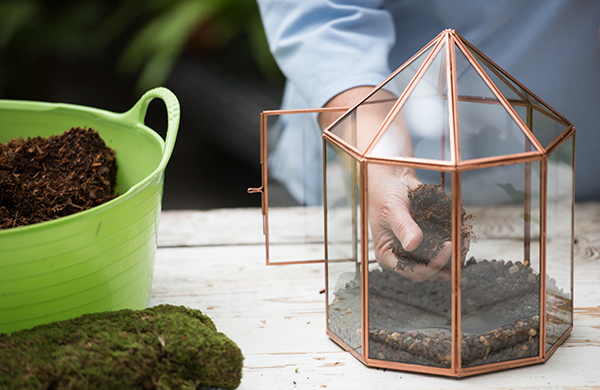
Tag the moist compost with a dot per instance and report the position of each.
(410, 322)
(431, 209)
(47, 178)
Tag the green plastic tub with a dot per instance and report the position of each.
(100, 259)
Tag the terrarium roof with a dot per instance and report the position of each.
(459, 108)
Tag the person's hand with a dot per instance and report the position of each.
(389, 217)
(388, 186)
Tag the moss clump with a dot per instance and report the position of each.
(163, 347)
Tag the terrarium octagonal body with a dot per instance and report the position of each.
(498, 154)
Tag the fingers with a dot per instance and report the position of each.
(420, 272)
(439, 261)
(387, 260)
(389, 218)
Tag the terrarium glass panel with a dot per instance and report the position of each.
(486, 128)
(559, 243)
(343, 265)
(471, 85)
(545, 124)
(500, 282)
(545, 127)
(341, 204)
(423, 116)
(409, 321)
(369, 116)
(400, 80)
(507, 86)
(345, 129)
(509, 89)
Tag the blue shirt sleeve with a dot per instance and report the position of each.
(313, 40)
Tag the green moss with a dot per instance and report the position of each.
(163, 347)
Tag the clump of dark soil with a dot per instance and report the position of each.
(46, 178)
(431, 209)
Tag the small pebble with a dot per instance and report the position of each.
(427, 342)
(404, 355)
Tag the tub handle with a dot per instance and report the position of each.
(137, 114)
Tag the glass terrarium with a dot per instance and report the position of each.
(485, 169)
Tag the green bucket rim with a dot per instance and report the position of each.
(134, 117)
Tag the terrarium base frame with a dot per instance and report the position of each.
(458, 373)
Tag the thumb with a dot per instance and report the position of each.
(406, 229)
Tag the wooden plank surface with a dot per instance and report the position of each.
(215, 261)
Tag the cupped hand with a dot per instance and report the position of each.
(389, 217)
(388, 186)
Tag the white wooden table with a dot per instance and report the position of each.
(214, 261)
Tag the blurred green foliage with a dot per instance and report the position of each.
(149, 35)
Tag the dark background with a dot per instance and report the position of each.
(100, 53)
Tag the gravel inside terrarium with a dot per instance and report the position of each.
(410, 322)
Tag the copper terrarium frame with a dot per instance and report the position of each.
(451, 166)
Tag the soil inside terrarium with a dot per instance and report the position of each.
(411, 322)
(47, 178)
(431, 208)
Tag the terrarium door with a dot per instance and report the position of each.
(292, 190)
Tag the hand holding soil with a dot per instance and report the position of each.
(411, 224)
(391, 224)
(431, 209)
(390, 217)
